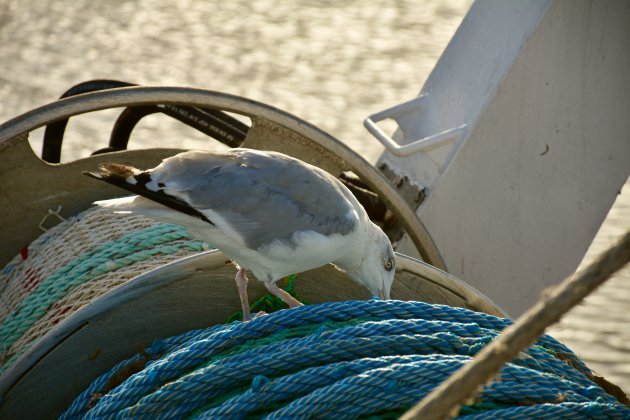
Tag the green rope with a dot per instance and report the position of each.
(129, 249)
(270, 303)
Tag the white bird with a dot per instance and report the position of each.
(270, 213)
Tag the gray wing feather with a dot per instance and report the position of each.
(264, 196)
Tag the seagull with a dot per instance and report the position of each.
(270, 213)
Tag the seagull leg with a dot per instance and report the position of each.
(241, 283)
(286, 297)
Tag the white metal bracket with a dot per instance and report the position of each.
(424, 144)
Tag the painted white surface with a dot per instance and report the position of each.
(464, 80)
(544, 89)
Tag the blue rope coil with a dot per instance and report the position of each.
(342, 360)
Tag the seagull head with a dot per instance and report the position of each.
(372, 263)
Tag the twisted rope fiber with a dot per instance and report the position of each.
(324, 382)
(536, 358)
(110, 256)
(264, 391)
(402, 384)
(101, 384)
(344, 359)
(326, 332)
(72, 239)
(185, 359)
(191, 391)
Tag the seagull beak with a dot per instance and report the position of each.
(382, 295)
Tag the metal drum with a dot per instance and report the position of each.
(193, 292)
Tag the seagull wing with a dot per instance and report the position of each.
(253, 196)
(261, 196)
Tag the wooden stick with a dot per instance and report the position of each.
(445, 400)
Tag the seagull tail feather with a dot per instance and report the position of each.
(139, 182)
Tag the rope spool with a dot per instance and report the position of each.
(342, 360)
(350, 359)
(73, 264)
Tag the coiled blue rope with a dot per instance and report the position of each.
(345, 360)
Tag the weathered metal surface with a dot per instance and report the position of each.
(191, 293)
(280, 129)
(30, 187)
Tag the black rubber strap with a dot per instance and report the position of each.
(53, 134)
(214, 123)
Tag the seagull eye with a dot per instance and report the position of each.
(389, 264)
